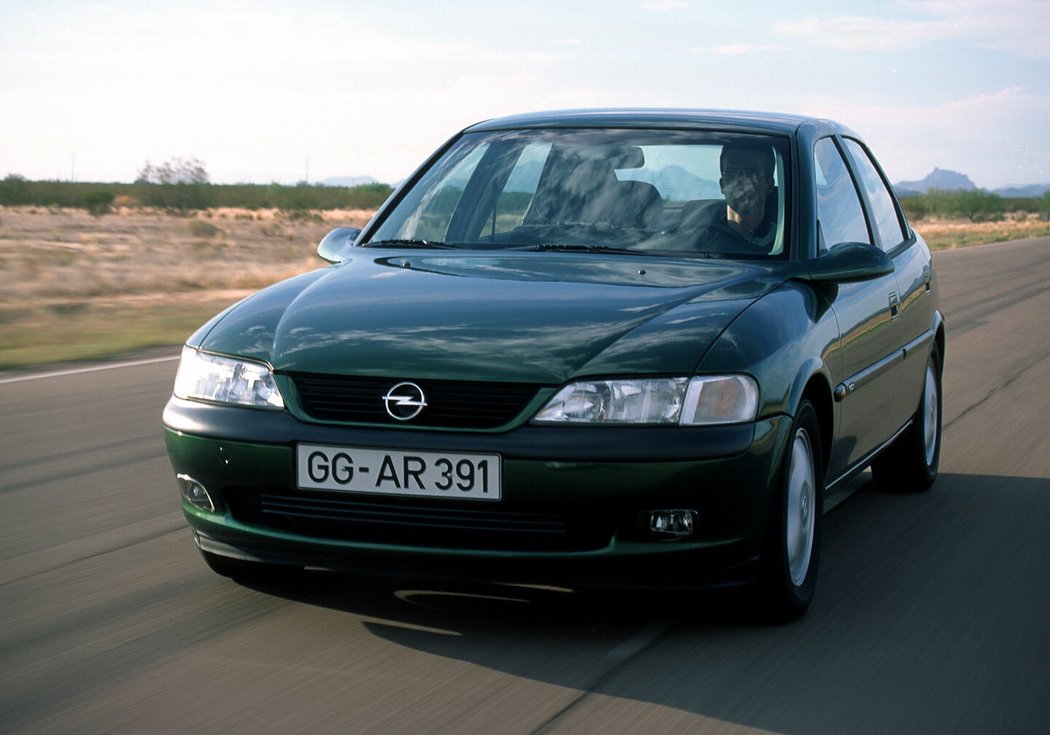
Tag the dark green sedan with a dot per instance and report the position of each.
(613, 348)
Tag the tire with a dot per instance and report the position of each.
(910, 464)
(792, 548)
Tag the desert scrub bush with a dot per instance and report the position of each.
(976, 205)
(200, 228)
(68, 307)
(273, 229)
(99, 202)
(14, 189)
(301, 215)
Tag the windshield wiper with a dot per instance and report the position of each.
(407, 244)
(555, 247)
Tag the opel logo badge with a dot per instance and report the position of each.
(405, 401)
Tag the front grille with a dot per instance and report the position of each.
(450, 404)
(449, 525)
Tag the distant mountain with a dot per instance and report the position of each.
(1031, 190)
(347, 181)
(945, 180)
(675, 183)
(939, 178)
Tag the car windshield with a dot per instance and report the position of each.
(599, 190)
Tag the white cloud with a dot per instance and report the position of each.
(1013, 26)
(860, 33)
(980, 135)
(739, 49)
(666, 5)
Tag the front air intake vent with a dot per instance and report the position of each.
(449, 404)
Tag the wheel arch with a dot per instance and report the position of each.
(939, 340)
(817, 390)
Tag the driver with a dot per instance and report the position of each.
(748, 222)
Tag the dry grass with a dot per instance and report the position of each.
(74, 286)
(950, 234)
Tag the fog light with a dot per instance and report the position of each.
(676, 523)
(194, 493)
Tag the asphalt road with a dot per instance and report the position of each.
(932, 613)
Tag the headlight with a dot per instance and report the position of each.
(704, 400)
(205, 377)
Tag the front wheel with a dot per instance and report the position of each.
(792, 548)
(910, 464)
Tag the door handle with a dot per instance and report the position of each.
(895, 306)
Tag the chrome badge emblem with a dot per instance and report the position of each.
(404, 401)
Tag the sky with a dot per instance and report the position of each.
(262, 91)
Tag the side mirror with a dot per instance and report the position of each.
(851, 261)
(335, 245)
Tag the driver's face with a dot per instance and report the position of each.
(745, 181)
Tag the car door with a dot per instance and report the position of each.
(912, 271)
(867, 311)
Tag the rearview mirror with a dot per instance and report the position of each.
(851, 261)
(334, 246)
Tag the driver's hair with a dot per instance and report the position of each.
(769, 158)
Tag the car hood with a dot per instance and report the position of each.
(520, 317)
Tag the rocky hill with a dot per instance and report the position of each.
(945, 180)
(939, 178)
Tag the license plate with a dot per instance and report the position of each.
(420, 474)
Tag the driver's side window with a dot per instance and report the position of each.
(840, 216)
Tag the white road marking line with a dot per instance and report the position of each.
(77, 371)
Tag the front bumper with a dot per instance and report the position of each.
(570, 511)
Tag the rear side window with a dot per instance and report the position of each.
(840, 216)
(884, 214)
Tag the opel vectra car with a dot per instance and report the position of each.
(613, 348)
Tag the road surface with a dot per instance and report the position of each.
(932, 613)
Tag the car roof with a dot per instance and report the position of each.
(741, 120)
